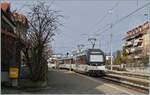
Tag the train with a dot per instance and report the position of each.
(90, 61)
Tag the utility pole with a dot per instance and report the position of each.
(111, 48)
(110, 11)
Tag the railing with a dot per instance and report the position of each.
(135, 68)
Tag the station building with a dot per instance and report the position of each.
(12, 25)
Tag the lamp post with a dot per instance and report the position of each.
(110, 12)
(111, 48)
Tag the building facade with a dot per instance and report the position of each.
(11, 46)
(136, 44)
(8, 42)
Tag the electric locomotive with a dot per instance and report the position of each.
(90, 61)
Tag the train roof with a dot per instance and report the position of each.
(84, 52)
(67, 58)
(96, 50)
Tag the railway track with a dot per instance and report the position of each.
(141, 85)
(130, 74)
(115, 84)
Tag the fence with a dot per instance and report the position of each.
(132, 67)
(141, 68)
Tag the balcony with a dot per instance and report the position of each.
(129, 43)
(138, 56)
(134, 50)
(138, 48)
(138, 42)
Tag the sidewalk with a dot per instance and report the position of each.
(9, 90)
(23, 84)
(26, 83)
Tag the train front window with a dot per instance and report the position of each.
(96, 58)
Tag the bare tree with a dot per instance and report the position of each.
(43, 24)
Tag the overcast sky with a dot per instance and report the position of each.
(84, 18)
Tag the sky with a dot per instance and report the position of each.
(85, 19)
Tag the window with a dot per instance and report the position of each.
(96, 58)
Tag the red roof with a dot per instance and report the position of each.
(5, 6)
(138, 30)
(21, 18)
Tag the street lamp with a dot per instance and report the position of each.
(110, 12)
(111, 47)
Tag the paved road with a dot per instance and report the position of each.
(66, 82)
